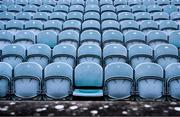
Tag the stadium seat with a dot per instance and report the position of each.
(170, 8)
(14, 25)
(34, 25)
(118, 81)
(13, 54)
(92, 16)
(168, 26)
(14, 8)
(30, 8)
(120, 2)
(175, 16)
(91, 25)
(27, 79)
(5, 79)
(77, 2)
(90, 37)
(46, 8)
(108, 16)
(23, 16)
(6, 38)
(49, 2)
(39, 53)
(160, 16)
(92, 8)
(61, 8)
(54, 25)
(3, 8)
(166, 54)
(155, 38)
(77, 8)
(69, 37)
(47, 37)
(25, 38)
(172, 73)
(58, 16)
(174, 38)
(125, 16)
(88, 85)
(149, 81)
(105, 2)
(58, 80)
(138, 8)
(129, 25)
(148, 2)
(35, 2)
(148, 25)
(154, 8)
(64, 2)
(163, 2)
(92, 2)
(113, 53)
(112, 37)
(140, 53)
(123, 8)
(42, 16)
(89, 53)
(110, 25)
(75, 16)
(2, 25)
(175, 2)
(134, 2)
(6, 16)
(7, 2)
(65, 53)
(142, 16)
(107, 8)
(72, 24)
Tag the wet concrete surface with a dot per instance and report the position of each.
(88, 108)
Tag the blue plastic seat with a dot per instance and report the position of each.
(134, 37)
(55, 25)
(148, 2)
(3, 8)
(23, 16)
(35, 2)
(120, 2)
(138, 8)
(91, 24)
(105, 2)
(14, 24)
(89, 53)
(140, 53)
(175, 16)
(110, 25)
(2, 25)
(148, 25)
(175, 2)
(26, 83)
(155, 38)
(6, 16)
(46, 8)
(172, 73)
(134, 2)
(75, 16)
(170, 8)
(88, 85)
(141, 16)
(92, 2)
(14, 8)
(149, 81)
(47, 37)
(25, 38)
(6, 76)
(107, 8)
(57, 16)
(58, 80)
(61, 8)
(129, 25)
(7, 2)
(92, 8)
(39, 53)
(166, 54)
(108, 16)
(92, 16)
(112, 37)
(49, 2)
(77, 2)
(118, 81)
(72, 24)
(77, 8)
(168, 26)
(160, 16)
(154, 8)
(90, 37)
(13, 54)
(22, 2)
(125, 16)
(163, 2)
(65, 53)
(42, 16)
(174, 38)
(69, 37)
(34, 25)
(6, 38)
(123, 8)
(113, 53)
(64, 2)
(30, 8)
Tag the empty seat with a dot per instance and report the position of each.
(78, 8)
(149, 81)
(34, 25)
(105, 2)
(110, 25)
(49, 2)
(69, 37)
(6, 16)
(118, 81)
(148, 2)
(23, 16)
(8, 2)
(172, 73)
(175, 2)
(155, 38)
(39, 53)
(148, 25)
(46, 8)
(107, 8)
(129, 25)
(27, 79)
(47, 37)
(120, 2)
(2, 25)
(58, 80)
(138, 8)
(123, 8)
(25, 38)
(57, 16)
(174, 38)
(108, 16)
(175, 16)
(35, 2)
(89, 53)
(61, 8)
(14, 24)
(30, 8)
(91, 24)
(13, 54)
(112, 37)
(75, 16)
(15, 8)
(91, 85)
(77, 2)
(3, 8)
(140, 53)
(92, 16)
(160, 16)
(90, 37)
(163, 2)
(72, 24)
(6, 76)
(142, 16)
(6, 38)
(134, 37)
(92, 8)
(154, 8)
(113, 53)
(65, 53)
(168, 26)
(170, 8)
(92, 2)
(53, 25)
(166, 54)
(40, 16)
(134, 2)
(64, 2)
(125, 16)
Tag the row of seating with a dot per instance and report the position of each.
(28, 81)
(95, 8)
(90, 2)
